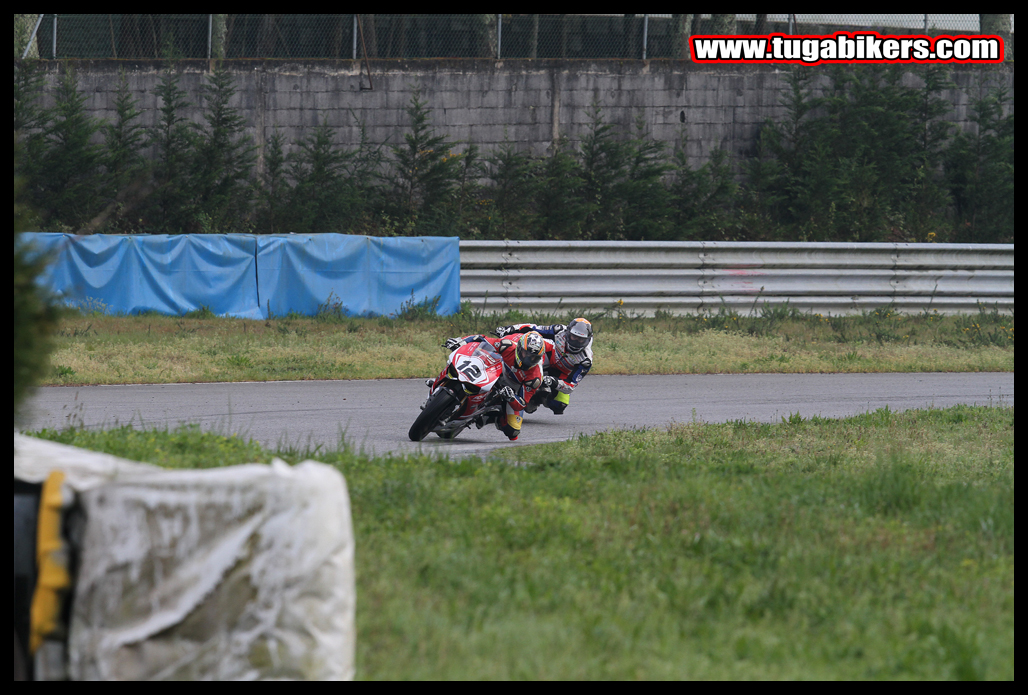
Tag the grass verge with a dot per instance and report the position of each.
(879, 546)
(102, 349)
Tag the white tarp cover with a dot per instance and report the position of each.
(243, 572)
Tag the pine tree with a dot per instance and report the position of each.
(363, 169)
(604, 160)
(67, 184)
(700, 196)
(30, 119)
(29, 115)
(276, 189)
(562, 209)
(168, 208)
(322, 198)
(424, 171)
(124, 140)
(926, 216)
(647, 202)
(222, 168)
(763, 193)
(980, 171)
(126, 170)
(515, 186)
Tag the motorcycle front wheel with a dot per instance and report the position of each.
(441, 403)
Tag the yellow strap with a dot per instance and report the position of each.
(53, 578)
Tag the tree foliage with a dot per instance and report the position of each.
(169, 208)
(322, 198)
(35, 314)
(862, 153)
(223, 159)
(68, 182)
(980, 170)
(424, 170)
(862, 161)
(516, 183)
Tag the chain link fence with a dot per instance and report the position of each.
(376, 36)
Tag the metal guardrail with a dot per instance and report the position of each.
(689, 277)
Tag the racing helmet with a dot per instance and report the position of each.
(529, 350)
(579, 334)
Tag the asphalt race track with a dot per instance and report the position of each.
(376, 415)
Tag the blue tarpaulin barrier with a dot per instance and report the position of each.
(169, 274)
(248, 276)
(367, 275)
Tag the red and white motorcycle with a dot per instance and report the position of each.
(467, 392)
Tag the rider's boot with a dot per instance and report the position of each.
(558, 403)
(510, 425)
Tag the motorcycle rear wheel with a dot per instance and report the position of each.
(440, 404)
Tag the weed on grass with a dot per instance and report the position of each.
(873, 547)
(204, 312)
(411, 310)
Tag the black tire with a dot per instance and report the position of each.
(440, 404)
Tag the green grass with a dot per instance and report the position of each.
(874, 547)
(100, 349)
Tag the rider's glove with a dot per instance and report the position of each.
(501, 331)
(549, 383)
(453, 343)
(507, 393)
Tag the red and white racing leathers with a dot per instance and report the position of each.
(569, 368)
(529, 380)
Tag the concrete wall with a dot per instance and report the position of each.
(531, 102)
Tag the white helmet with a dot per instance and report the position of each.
(579, 335)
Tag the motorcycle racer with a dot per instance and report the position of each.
(569, 357)
(524, 354)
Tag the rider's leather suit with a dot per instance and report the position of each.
(569, 368)
(529, 379)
